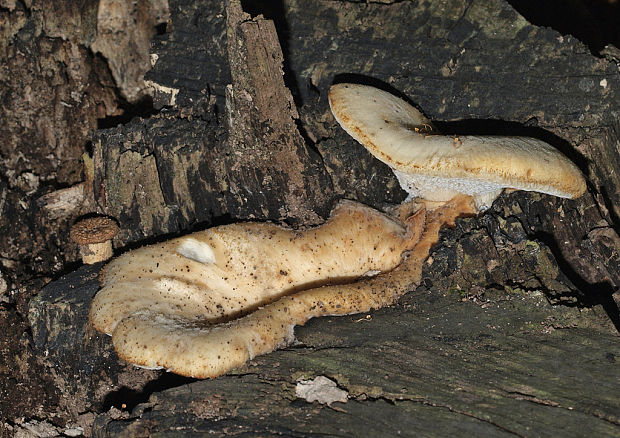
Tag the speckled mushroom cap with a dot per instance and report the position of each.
(225, 270)
(175, 304)
(94, 230)
(437, 167)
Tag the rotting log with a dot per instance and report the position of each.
(478, 348)
(434, 365)
(502, 362)
(468, 357)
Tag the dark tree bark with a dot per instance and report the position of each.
(54, 88)
(485, 75)
(514, 330)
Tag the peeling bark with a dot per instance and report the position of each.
(124, 31)
(53, 89)
(242, 157)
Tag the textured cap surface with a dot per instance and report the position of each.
(158, 335)
(93, 230)
(179, 304)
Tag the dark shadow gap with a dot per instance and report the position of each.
(127, 399)
(596, 23)
(161, 28)
(587, 294)
(143, 108)
(276, 11)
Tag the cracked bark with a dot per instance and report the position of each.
(54, 89)
(478, 348)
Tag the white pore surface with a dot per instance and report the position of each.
(441, 189)
(195, 250)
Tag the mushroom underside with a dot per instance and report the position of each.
(438, 167)
(158, 331)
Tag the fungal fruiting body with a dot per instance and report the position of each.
(438, 167)
(219, 273)
(94, 236)
(174, 304)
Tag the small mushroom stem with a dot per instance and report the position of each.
(92, 253)
(189, 348)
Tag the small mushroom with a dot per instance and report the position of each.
(437, 167)
(94, 236)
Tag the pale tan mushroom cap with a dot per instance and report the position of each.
(154, 336)
(436, 167)
(220, 273)
(166, 305)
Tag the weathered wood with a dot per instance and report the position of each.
(487, 361)
(82, 362)
(243, 157)
(53, 90)
(478, 349)
(123, 31)
(267, 160)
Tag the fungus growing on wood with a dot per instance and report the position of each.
(437, 167)
(162, 335)
(174, 304)
(94, 237)
(203, 304)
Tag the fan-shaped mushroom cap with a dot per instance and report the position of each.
(438, 167)
(173, 304)
(222, 272)
(158, 330)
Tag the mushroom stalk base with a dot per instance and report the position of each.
(96, 252)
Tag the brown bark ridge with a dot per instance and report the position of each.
(481, 347)
(53, 91)
(165, 174)
(124, 30)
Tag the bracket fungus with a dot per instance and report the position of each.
(438, 167)
(203, 304)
